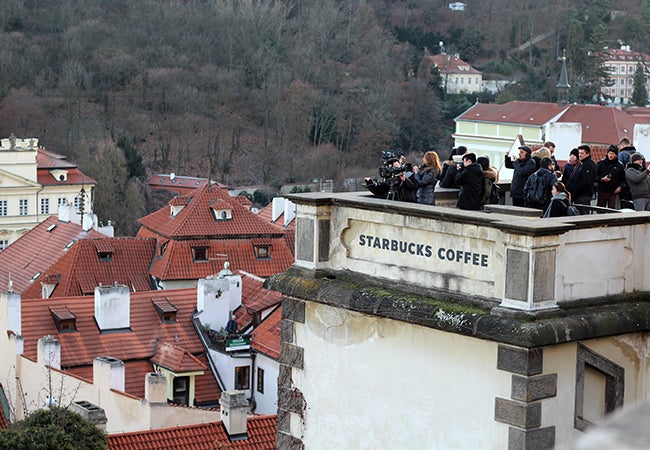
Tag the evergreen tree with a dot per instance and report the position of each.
(640, 93)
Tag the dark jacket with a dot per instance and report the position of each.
(547, 178)
(426, 181)
(638, 178)
(614, 169)
(585, 178)
(470, 182)
(522, 170)
(448, 176)
(625, 153)
(568, 176)
(558, 206)
(489, 178)
(406, 189)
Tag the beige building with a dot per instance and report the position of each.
(621, 65)
(429, 327)
(457, 75)
(34, 184)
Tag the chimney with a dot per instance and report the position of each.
(155, 388)
(11, 312)
(91, 413)
(216, 297)
(108, 373)
(112, 307)
(49, 352)
(234, 407)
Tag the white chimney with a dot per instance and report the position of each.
(289, 211)
(91, 413)
(216, 297)
(108, 373)
(49, 352)
(234, 407)
(155, 388)
(113, 307)
(277, 208)
(11, 312)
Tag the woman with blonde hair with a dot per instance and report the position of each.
(426, 177)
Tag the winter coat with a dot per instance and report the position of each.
(406, 189)
(470, 182)
(584, 179)
(638, 178)
(448, 176)
(568, 176)
(548, 178)
(490, 177)
(558, 206)
(625, 153)
(615, 169)
(426, 181)
(522, 170)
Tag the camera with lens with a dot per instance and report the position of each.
(389, 173)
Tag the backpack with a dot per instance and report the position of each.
(495, 194)
(536, 194)
(572, 210)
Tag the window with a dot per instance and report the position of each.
(242, 377)
(262, 252)
(260, 380)
(45, 206)
(3, 207)
(469, 81)
(181, 395)
(3, 244)
(22, 207)
(77, 203)
(60, 202)
(623, 68)
(630, 70)
(105, 256)
(199, 254)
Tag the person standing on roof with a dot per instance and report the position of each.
(523, 167)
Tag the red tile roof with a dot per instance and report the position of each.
(178, 183)
(47, 160)
(80, 270)
(35, 251)
(176, 359)
(3, 419)
(255, 299)
(79, 348)
(266, 337)
(447, 64)
(75, 177)
(261, 436)
(525, 113)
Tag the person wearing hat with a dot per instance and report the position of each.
(637, 176)
(523, 167)
(610, 175)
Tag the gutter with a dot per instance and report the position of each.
(213, 368)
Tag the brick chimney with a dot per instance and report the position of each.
(113, 307)
(234, 408)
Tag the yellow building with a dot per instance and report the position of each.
(457, 75)
(34, 184)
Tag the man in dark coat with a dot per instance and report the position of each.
(585, 177)
(523, 167)
(625, 150)
(470, 181)
(540, 182)
(610, 174)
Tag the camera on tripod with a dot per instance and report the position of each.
(389, 173)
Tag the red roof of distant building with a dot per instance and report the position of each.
(525, 113)
(35, 251)
(177, 183)
(448, 64)
(266, 337)
(261, 432)
(198, 223)
(255, 299)
(47, 161)
(176, 359)
(101, 261)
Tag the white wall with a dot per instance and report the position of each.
(267, 403)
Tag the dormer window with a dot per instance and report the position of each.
(104, 250)
(166, 311)
(59, 175)
(65, 321)
(262, 251)
(199, 254)
(222, 214)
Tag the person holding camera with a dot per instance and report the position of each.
(426, 177)
(610, 175)
(470, 181)
(523, 167)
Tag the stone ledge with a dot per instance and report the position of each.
(462, 315)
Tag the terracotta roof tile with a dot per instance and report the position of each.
(176, 359)
(93, 262)
(528, 113)
(180, 184)
(255, 299)
(3, 419)
(452, 64)
(266, 337)
(261, 436)
(46, 159)
(75, 177)
(35, 251)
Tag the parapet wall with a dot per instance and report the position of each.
(523, 263)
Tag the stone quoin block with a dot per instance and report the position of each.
(538, 439)
(291, 400)
(288, 442)
(292, 355)
(284, 421)
(286, 331)
(544, 278)
(293, 309)
(284, 376)
(323, 240)
(530, 389)
(524, 361)
(519, 414)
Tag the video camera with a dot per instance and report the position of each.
(389, 175)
